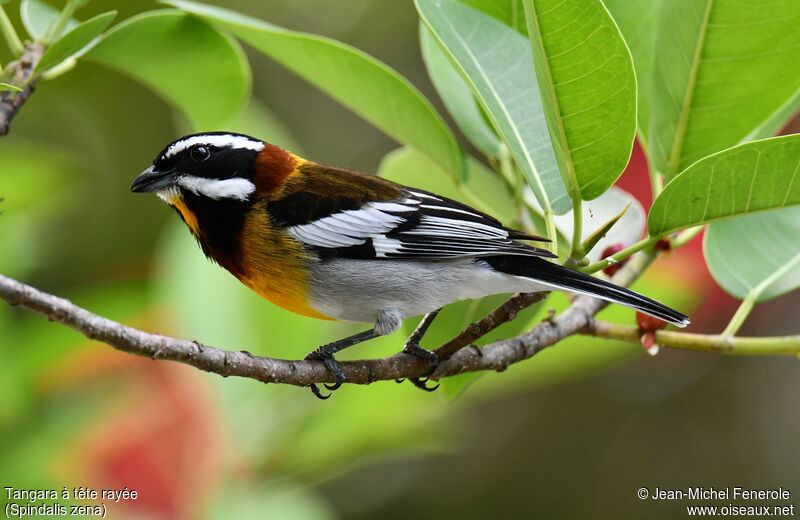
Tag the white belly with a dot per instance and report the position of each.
(358, 290)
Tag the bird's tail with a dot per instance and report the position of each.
(559, 277)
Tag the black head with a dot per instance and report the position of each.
(214, 165)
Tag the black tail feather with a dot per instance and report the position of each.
(560, 277)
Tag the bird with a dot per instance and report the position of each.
(336, 244)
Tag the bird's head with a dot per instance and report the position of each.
(215, 166)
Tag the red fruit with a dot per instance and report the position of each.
(612, 250)
(648, 323)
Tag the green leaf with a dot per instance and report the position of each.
(75, 40)
(411, 168)
(365, 85)
(637, 21)
(510, 12)
(721, 70)
(751, 177)
(496, 62)
(457, 96)
(5, 87)
(756, 253)
(600, 233)
(778, 120)
(585, 75)
(183, 59)
(37, 17)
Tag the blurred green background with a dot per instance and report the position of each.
(574, 432)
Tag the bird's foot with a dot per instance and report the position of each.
(321, 354)
(413, 348)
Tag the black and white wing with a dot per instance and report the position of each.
(419, 225)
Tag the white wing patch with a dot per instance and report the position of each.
(235, 188)
(218, 140)
(354, 227)
(419, 226)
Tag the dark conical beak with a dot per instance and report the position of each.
(153, 179)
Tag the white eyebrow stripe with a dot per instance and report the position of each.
(220, 141)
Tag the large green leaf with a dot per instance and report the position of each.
(637, 21)
(357, 80)
(722, 69)
(751, 177)
(186, 61)
(757, 254)
(777, 120)
(75, 40)
(496, 62)
(411, 168)
(510, 12)
(457, 96)
(37, 17)
(588, 87)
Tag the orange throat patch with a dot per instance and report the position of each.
(177, 202)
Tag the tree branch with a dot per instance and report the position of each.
(20, 74)
(496, 356)
(502, 314)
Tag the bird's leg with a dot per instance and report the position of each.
(412, 347)
(325, 354)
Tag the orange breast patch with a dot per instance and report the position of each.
(274, 265)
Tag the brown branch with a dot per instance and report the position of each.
(495, 356)
(20, 73)
(504, 313)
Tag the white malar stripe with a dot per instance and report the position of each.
(220, 141)
(236, 188)
(168, 194)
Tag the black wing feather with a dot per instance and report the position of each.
(420, 225)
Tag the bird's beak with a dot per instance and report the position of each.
(153, 179)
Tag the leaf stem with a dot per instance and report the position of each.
(739, 316)
(625, 253)
(550, 227)
(69, 9)
(10, 35)
(656, 183)
(751, 299)
(576, 251)
(685, 236)
(763, 346)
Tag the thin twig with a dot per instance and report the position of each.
(502, 314)
(770, 346)
(20, 73)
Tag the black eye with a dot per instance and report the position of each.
(199, 153)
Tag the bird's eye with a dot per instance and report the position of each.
(199, 153)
